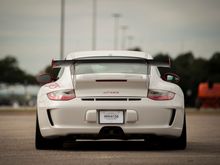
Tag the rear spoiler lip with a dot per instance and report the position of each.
(152, 62)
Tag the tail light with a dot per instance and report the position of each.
(160, 95)
(62, 95)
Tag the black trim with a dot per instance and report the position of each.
(111, 80)
(49, 117)
(134, 99)
(87, 99)
(172, 116)
(110, 59)
(111, 99)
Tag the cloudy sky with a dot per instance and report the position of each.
(30, 29)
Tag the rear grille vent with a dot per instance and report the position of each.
(134, 99)
(111, 80)
(111, 99)
(87, 99)
(49, 117)
(172, 116)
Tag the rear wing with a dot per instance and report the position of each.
(111, 59)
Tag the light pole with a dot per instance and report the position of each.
(62, 21)
(123, 36)
(116, 23)
(94, 26)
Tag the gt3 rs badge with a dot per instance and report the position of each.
(110, 92)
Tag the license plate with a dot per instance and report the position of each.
(111, 117)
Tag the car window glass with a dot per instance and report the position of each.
(132, 68)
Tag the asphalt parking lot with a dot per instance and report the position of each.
(17, 145)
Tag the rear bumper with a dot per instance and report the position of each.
(79, 118)
(78, 133)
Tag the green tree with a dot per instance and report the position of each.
(214, 67)
(52, 71)
(11, 74)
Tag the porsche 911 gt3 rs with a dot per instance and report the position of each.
(109, 95)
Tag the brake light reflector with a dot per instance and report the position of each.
(61, 95)
(160, 95)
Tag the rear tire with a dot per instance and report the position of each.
(42, 143)
(180, 142)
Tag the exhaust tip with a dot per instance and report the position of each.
(111, 132)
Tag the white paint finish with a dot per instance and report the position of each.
(131, 116)
(142, 116)
(107, 53)
(135, 85)
(91, 116)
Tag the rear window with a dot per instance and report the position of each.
(130, 68)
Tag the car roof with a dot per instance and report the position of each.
(100, 53)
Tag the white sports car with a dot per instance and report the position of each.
(109, 95)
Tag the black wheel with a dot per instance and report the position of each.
(43, 143)
(180, 142)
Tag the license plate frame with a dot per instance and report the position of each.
(111, 116)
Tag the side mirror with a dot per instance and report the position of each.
(171, 77)
(44, 79)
